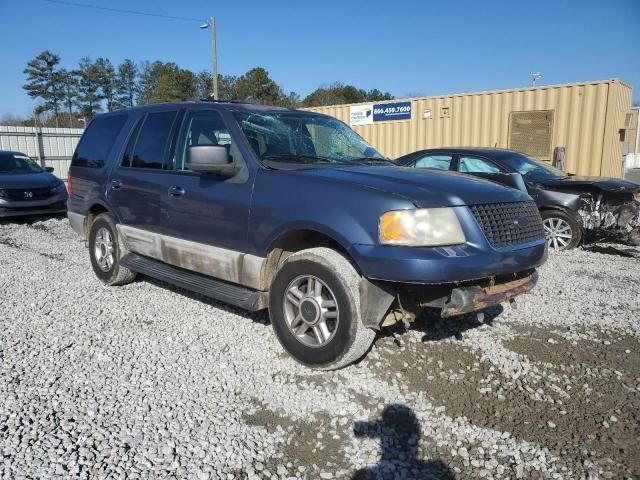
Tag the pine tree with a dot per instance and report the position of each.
(43, 81)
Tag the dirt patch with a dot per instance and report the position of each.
(614, 352)
(308, 443)
(595, 420)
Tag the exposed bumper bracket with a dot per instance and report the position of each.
(473, 298)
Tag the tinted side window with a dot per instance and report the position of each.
(441, 162)
(204, 127)
(97, 141)
(477, 165)
(131, 142)
(151, 146)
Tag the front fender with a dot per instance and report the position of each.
(284, 202)
(550, 198)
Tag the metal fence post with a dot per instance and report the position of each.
(38, 134)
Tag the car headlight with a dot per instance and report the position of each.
(3, 194)
(425, 227)
(637, 196)
(58, 188)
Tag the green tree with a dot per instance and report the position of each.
(166, 82)
(338, 93)
(89, 77)
(256, 86)
(108, 81)
(69, 84)
(204, 85)
(375, 95)
(226, 86)
(127, 83)
(43, 81)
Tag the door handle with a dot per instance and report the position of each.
(116, 184)
(176, 191)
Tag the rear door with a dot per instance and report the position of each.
(137, 189)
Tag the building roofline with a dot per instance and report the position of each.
(482, 92)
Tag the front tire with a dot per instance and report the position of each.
(314, 305)
(563, 229)
(106, 249)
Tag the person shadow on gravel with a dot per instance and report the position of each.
(399, 433)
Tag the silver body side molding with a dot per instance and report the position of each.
(229, 265)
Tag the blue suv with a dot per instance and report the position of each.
(266, 207)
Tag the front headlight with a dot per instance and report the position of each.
(637, 196)
(425, 227)
(58, 188)
(3, 194)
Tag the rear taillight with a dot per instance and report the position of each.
(69, 183)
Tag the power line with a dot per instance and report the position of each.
(120, 10)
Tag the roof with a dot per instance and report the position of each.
(231, 106)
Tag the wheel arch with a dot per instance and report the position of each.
(296, 240)
(92, 212)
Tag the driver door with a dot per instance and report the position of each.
(205, 208)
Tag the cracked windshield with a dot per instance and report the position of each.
(288, 138)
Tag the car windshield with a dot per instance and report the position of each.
(533, 170)
(299, 139)
(18, 163)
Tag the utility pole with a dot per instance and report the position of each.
(214, 58)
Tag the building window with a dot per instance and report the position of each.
(531, 133)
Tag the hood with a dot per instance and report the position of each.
(28, 180)
(424, 188)
(601, 184)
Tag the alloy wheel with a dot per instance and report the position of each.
(559, 233)
(103, 249)
(311, 311)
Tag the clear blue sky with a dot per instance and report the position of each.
(418, 47)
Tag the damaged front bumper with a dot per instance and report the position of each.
(473, 298)
(386, 303)
(611, 213)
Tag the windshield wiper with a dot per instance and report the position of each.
(372, 161)
(300, 158)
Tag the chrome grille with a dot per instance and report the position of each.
(506, 224)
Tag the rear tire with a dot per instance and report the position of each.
(563, 229)
(314, 305)
(106, 248)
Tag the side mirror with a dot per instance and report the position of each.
(210, 159)
(49, 169)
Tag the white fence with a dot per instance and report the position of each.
(52, 147)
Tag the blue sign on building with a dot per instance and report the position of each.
(383, 112)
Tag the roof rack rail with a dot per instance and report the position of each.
(219, 101)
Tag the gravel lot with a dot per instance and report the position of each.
(148, 381)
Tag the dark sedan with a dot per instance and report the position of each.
(569, 204)
(28, 189)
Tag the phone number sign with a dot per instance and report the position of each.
(383, 112)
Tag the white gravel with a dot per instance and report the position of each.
(147, 381)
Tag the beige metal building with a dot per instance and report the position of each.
(591, 120)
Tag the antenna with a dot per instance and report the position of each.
(535, 76)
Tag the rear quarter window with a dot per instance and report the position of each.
(98, 141)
